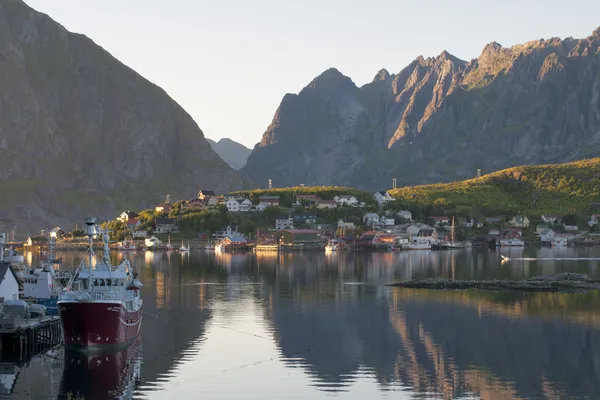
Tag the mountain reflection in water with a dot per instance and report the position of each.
(312, 325)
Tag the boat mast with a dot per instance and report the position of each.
(90, 231)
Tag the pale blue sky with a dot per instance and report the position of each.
(229, 63)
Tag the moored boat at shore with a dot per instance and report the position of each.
(512, 243)
(417, 244)
(102, 305)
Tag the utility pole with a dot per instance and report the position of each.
(393, 183)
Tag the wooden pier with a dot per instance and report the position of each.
(24, 338)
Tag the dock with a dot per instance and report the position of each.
(23, 338)
(267, 247)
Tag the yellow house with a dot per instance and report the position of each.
(520, 222)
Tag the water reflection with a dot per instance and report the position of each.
(310, 325)
(106, 375)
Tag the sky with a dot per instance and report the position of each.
(230, 62)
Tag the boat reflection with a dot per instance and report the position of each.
(108, 375)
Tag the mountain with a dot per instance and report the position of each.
(233, 153)
(81, 133)
(438, 119)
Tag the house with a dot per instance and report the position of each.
(326, 204)
(551, 218)
(245, 205)
(594, 219)
(9, 283)
(234, 241)
(493, 220)
(132, 223)
(310, 198)
(165, 225)
(58, 232)
(300, 237)
(512, 233)
(346, 225)
(382, 197)
(269, 200)
(163, 207)
(153, 241)
(519, 222)
(263, 206)
(265, 237)
(305, 218)
(571, 228)
(36, 241)
(440, 221)
(385, 221)
(494, 232)
(346, 199)
(227, 230)
(125, 216)
(139, 234)
(428, 233)
(547, 235)
(472, 223)
(194, 204)
(205, 195)
(405, 215)
(370, 219)
(284, 222)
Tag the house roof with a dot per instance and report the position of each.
(130, 214)
(283, 217)
(132, 221)
(207, 192)
(305, 215)
(382, 192)
(236, 238)
(268, 197)
(326, 201)
(302, 231)
(346, 196)
(306, 196)
(166, 221)
(493, 219)
(4, 268)
(440, 218)
(164, 205)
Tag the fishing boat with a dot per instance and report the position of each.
(399, 243)
(209, 247)
(43, 284)
(127, 245)
(184, 248)
(417, 244)
(512, 243)
(559, 242)
(102, 304)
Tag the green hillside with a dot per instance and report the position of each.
(572, 188)
(287, 194)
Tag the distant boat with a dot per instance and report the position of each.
(184, 248)
(452, 245)
(127, 245)
(334, 245)
(11, 256)
(512, 243)
(417, 244)
(559, 242)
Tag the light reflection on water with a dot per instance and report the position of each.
(312, 325)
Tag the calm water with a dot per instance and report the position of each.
(311, 326)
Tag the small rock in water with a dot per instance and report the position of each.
(557, 277)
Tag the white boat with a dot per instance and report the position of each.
(417, 244)
(127, 245)
(559, 242)
(169, 246)
(511, 243)
(184, 248)
(11, 256)
(335, 245)
(44, 284)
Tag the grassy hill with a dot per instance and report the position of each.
(325, 192)
(571, 188)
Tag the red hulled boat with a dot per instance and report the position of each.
(101, 306)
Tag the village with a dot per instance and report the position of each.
(302, 221)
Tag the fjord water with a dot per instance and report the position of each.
(311, 325)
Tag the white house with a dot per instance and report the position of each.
(140, 234)
(551, 218)
(153, 241)
(262, 206)
(382, 197)
(571, 228)
(370, 219)
(125, 216)
(9, 285)
(439, 221)
(245, 205)
(472, 223)
(162, 225)
(346, 225)
(346, 199)
(520, 222)
(547, 235)
(594, 218)
(385, 221)
(405, 214)
(326, 204)
(284, 222)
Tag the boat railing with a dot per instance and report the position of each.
(97, 295)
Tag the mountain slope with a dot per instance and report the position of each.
(81, 133)
(438, 119)
(233, 153)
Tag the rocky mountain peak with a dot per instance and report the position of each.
(382, 75)
(596, 33)
(330, 77)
